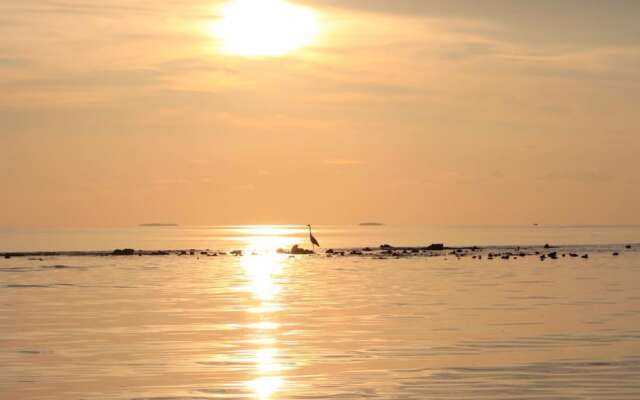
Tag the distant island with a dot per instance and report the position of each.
(157, 225)
(371, 224)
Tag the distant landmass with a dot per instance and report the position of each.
(371, 224)
(158, 224)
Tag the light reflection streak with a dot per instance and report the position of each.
(264, 272)
(265, 387)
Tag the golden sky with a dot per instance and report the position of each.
(425, 111)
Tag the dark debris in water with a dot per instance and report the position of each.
(59, 266)
(544, 252)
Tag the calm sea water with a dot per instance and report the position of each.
(266, 237)
(269, 326)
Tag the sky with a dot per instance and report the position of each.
(406, 112)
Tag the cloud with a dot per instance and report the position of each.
(6, 62)
(244, 188)
(568, 21)
(585, 176)
(83, 8)
(171, 181)
(342, 162)
(91, 79)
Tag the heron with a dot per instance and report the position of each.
(314, 241)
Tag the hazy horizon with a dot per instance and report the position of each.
(406, 112)
(302, 224)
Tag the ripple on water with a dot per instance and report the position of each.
(319, 329)
(593, 379)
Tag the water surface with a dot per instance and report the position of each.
(272, 327)
(268, 237)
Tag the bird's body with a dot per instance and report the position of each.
(312, 238)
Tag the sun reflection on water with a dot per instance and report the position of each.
(261, 270)
(265, 387)
(266, 239)
(264, 271)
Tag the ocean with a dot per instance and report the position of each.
(268, 237)
(273, 326)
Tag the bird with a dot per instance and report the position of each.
(314, 241)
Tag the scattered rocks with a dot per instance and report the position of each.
(434, 250)
(123, 252)
(300, 251)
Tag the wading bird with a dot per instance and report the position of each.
(314, 241)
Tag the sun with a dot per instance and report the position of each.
(264, 28)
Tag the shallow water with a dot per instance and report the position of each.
(274, 327)
(269, 237)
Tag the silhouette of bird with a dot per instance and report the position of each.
(314, 241)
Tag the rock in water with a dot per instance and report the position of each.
(299, 251)
(123, 252)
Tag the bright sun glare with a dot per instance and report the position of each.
(264, 28)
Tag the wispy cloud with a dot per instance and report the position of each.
(342, 162)
(244, 188)
(171, 181)
(12, 62)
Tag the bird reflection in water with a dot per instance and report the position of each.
(264, 269)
